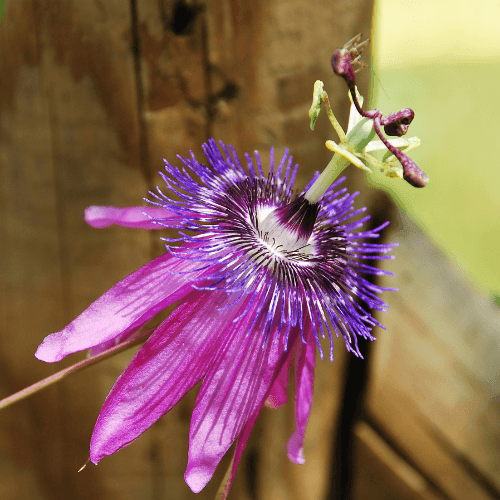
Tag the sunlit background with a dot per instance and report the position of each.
(443, 60)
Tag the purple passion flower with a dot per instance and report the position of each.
(259, 274)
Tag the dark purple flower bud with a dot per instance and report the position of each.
(342, 66)
(412, 173)
(344, 61)
(396, 124)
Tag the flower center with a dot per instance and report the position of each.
(279, 239)
(288, 229)
(272, 231)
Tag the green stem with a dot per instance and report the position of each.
(326, 179)
(357, 140)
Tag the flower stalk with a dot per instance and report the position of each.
(70, 370)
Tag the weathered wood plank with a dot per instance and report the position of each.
(173, 88)
(30, 272)
(435, 373)
(272, 53)
(72, 141)
(90, 82)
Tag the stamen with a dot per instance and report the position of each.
(411, 172)
(396, 124)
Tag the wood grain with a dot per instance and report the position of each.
(383, 474)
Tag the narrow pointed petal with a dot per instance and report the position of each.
(123, 308)
(135, 217)
(169, 364)
(304, 381)
(278, 395)
(234, 389)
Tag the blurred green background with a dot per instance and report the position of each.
(442, 59)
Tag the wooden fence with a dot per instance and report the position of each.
(93, 94)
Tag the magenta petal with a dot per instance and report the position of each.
(304, 381)
(278, 395)
(169, 364)
(136, 217)
(94, 351)
(123, 308)
(234, 389)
